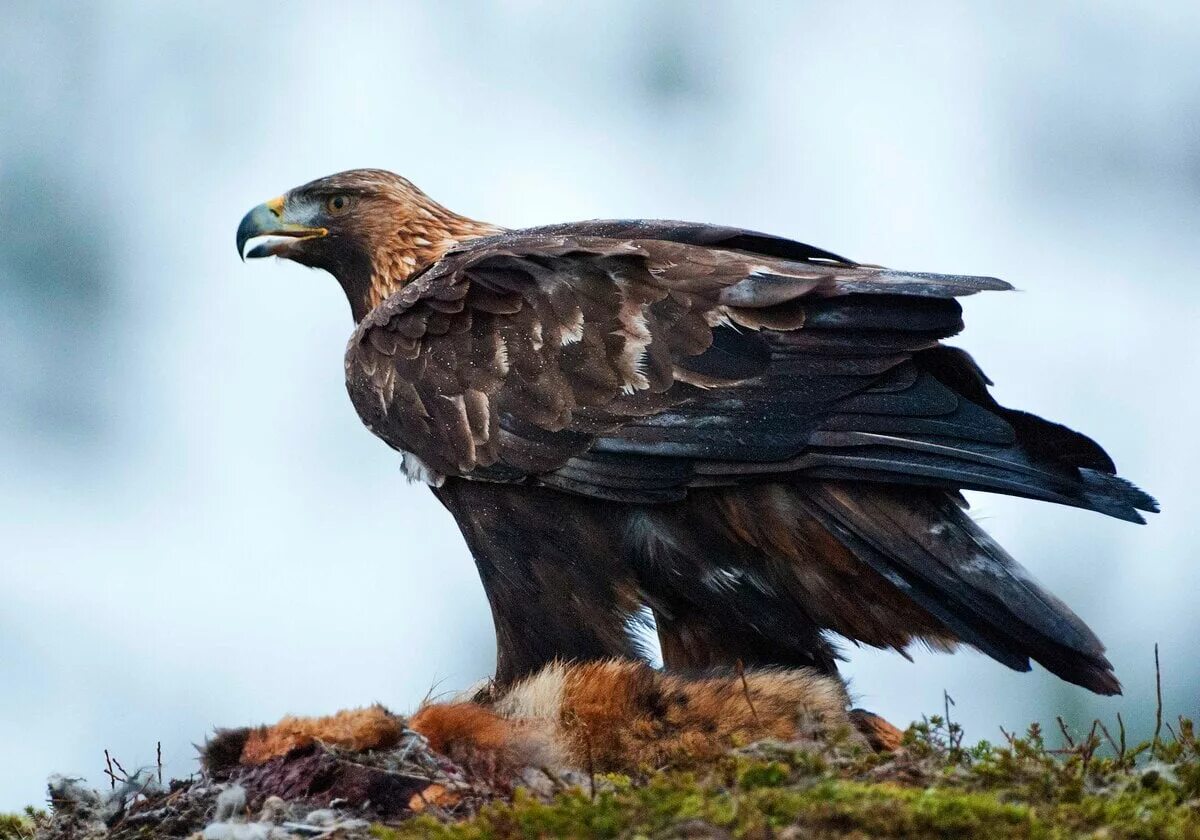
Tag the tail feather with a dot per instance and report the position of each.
(1116, 496)
(762, 573)
(943, 428)
(926, 544)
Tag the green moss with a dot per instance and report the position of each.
(935, 789)
(20, 826)
(831, 808)
(763, 774)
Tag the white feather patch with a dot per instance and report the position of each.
(632, 361)
(417, 471)
(501, 356)
(572, 332)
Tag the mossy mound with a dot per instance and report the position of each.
(1092, 785)
(934, 788)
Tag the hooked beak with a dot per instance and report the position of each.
(270, 219)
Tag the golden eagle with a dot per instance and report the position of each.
(758, 440)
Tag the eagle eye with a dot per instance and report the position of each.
(336, 204)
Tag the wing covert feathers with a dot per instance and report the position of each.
(631, 361)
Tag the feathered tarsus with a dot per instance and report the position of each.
(759, 440)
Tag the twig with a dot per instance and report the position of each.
(1062, 725)
(1158, 700)
(741, 672)
(132, 800)
(112, 779)
(555, 782)
(1121, 724)
(1008, 736)
(954, 733)
(122, 769)
(1088, 748)
(1109, 736)
(591, 764)
(158, 755)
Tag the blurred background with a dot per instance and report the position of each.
(195, 529)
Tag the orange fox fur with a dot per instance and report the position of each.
(351, 729)
(613, 715)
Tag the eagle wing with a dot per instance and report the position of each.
(631, 361)
(648, 362)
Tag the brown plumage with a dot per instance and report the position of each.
(759, 441)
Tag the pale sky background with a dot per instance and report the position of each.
(195, 529)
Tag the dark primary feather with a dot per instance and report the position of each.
(926, 544)
(652, 363)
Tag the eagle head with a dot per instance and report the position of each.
(369, 228)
